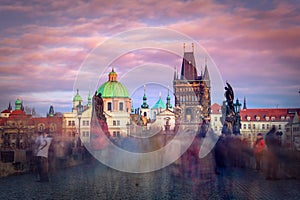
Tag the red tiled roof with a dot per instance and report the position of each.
(6, 111)
(263, 113)
(2, 121)
(216, 109)
(17, 114)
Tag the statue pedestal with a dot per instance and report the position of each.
(99, 134)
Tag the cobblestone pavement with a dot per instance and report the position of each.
(95, 181)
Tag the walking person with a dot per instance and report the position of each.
(273, 144)
(258, 150)
(42, 157)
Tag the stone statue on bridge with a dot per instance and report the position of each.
(232, 123)
(99, 129)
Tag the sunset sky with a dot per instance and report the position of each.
(254, 44)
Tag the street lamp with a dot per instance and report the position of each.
(79, 114)
(237, 106)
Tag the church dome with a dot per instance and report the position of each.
(77, 97)
(18, 102)
(112, 88)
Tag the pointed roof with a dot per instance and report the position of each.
(244, 106)
(51, 111)
(9, 107)
(159, 104)
(188, 69)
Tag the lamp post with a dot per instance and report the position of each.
(237, 124)
(237, 105)
(79, 115)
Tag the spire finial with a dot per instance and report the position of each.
(245, 106)
(193, 47)
(183, 47)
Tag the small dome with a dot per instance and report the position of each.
(77, 97)
(18, 102)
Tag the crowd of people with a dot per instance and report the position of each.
(266, 155)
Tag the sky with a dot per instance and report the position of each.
(255, 46)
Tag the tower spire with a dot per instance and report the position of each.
(244, 106)
(144, 105)
(168, 104)
(183, 47)
(192, 47)
(9, 107)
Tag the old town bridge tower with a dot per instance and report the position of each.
(192, 91)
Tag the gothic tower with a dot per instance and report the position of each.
(192, 92)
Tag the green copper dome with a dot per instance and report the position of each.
(113, 89)
(18, 104)
(77, 97)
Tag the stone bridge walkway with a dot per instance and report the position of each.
(96, 181)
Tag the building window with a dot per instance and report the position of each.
(114, 123)
(253, 126)
(118, 122)
(216, 119)
(249, 126)
(268, 126)
(244, 126)
(279, 126)
(71, 123)
(273, 119)
(121, 106)
(85, 122)
(263, 126)
(109, 106)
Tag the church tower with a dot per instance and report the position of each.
(145, 110)
(192, 92)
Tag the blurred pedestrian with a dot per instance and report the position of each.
(220, 151)
(42, 157)
(258, 150)
(37, 142)
(273, 144)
